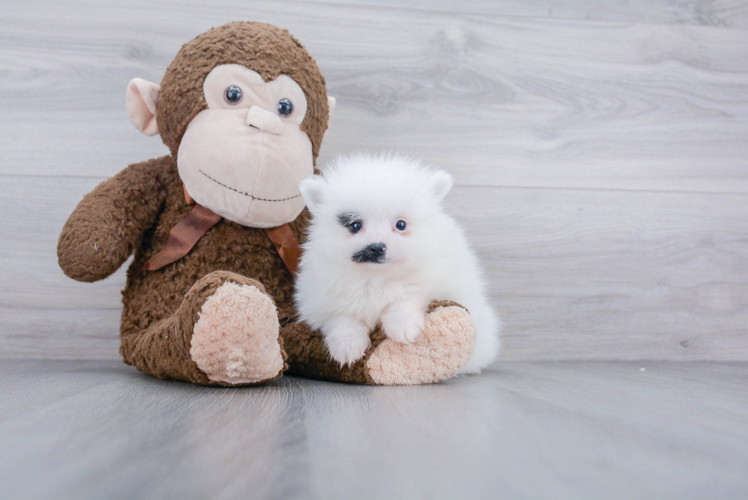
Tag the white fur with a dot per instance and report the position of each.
(430, 260)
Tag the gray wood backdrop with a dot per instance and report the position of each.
(600, 151)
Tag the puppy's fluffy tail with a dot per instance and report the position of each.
(487, 343)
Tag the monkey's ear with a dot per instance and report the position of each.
(314, 190)
(142, 100)
(331, 107)
(440, 184)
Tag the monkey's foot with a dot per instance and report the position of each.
(441, 350)
(236, 340)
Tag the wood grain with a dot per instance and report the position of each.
(600, 166)
(505, 101)
(613, 274)
(720, 13)
(523, 430)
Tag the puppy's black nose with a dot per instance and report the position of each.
(371, 253)
(378, 248)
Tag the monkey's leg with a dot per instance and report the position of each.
(440, 352)
(225, 332)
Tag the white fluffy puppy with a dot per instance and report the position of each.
(380, 248)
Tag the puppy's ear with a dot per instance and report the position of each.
(314, 191)
(440, 184)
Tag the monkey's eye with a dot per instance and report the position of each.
(285, 107)
(355, 226)
(233, 95)
(401, 225)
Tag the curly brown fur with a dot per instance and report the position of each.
(109, 223)
(264, 48)
(163, 349)
(308, 356)
(136, 209)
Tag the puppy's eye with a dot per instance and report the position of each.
(401, 225)
(233, 95)
(285, 108)
(355, 226)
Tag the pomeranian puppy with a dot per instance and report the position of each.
(380, 248)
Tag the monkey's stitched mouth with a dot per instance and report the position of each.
(242, 192)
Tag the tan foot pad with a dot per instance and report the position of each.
(439, 352)
(235, 341)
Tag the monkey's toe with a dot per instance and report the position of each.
(236, 340)
(440, 351)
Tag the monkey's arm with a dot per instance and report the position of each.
(110, 221)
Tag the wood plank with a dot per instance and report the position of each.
(503, 101)
(522, 430)
(719, 13)
(575, 274)
(613, 275)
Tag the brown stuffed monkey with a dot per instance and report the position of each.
(215, 226)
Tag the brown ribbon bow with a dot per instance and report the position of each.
(189, 230)
(183, 237)
(286, 245)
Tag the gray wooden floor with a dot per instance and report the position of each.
(96, 429)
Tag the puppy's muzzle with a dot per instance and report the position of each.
(376, 253)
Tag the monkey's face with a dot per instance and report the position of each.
(245, 155)
(233, 111)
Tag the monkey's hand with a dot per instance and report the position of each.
(110, 221)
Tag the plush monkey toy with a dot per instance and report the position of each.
(215, 226)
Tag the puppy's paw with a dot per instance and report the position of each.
(403, 325)
(346, 340)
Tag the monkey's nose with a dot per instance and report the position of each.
(264, 120)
